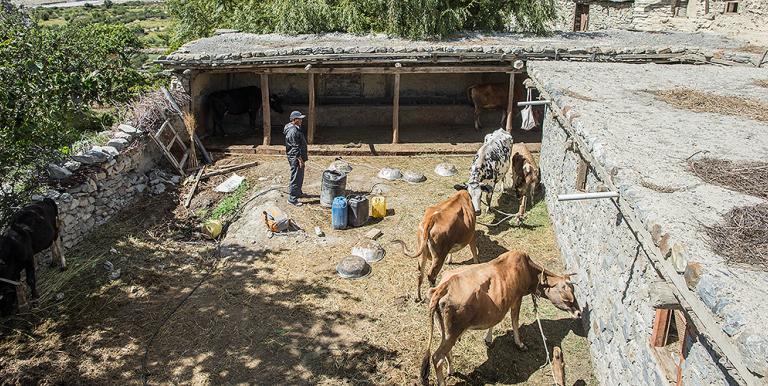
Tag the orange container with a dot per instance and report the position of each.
(378, 206)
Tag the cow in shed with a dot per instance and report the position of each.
(238, 101)
(489, 167)
(525, 176)
(445, 229)
(479, 296)
(492, 96)
(32, 229)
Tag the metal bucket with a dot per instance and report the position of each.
(334, 184)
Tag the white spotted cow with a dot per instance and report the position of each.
(489, 167)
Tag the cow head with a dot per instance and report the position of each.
(559, 290)
(275, 103)
(475, 190)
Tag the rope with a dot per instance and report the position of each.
(11, 282)
(543, 339)
(508, 216)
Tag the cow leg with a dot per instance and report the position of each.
(441, 355)
(503, 118)
(514, 315)
(473, 248)
(490, 201)
(420, 278)
(477, 119)
(449, 259)
(489, 337)
(29, 267)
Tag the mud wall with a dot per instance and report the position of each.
(613, 276)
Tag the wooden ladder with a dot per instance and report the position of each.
(179, 164)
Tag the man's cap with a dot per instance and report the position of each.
(297, 114)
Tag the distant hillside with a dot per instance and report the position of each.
(65, 3)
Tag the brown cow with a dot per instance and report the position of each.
(489, 96)
(525, 177)
(478, 297)
(445, 229)
(558, 366)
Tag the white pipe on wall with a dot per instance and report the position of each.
(587, 196)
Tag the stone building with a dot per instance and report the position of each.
(725, 16)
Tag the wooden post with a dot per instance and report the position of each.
(312, 110)
(510, 101)
(396, 111)
(660, 327)
(265, 109)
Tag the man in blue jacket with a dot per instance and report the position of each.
(296, 150)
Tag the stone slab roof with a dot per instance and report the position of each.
(239, 49)
(647, 141)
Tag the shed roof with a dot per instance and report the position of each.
(235, 49)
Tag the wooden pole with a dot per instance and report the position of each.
(312, 110)
(510, 102)
(265, 109)
(396, 111)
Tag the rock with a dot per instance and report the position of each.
(108, 265)
(123, 135)
(140, 188)
(114, 275)
(57, 172)
(72, 165)
(319, 232)
(85, 159)
(111, 150)
(59, 296)
(128, 129)
(99, 155)
(373, 234)
(158, 188)
(693, 271)
(679, 257)
(118, 143)
(754, 348)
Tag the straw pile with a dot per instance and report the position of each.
(703, 102)
(743, 238)
(152, 109)
(746, 177)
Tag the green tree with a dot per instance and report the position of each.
(49, 79)
(407, 18)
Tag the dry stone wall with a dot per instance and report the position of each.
(97, 183)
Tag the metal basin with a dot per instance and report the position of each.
(413, 177)
(445, 170)
(390, 174)
(369, 250)
(353, 267)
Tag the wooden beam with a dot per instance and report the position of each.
(265, 110)
(660, 327)
(194, 186)
(260, 69)
(581, 174)
(396, 111)
(312, 111)
(699, 314)
(510, 102)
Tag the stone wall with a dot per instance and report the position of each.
(603, 15)
(101, 181)
(613, 277)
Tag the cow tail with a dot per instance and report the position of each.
(433, 309)
(425, 242)
(405, 248)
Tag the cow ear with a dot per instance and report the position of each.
(527, 168)
(460, 186)
(568, 277)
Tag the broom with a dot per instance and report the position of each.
(190, 123)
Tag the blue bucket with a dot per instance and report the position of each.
(339, 210)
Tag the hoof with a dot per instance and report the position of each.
(64, 268)
(489, 344)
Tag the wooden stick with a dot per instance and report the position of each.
(396, 111)
(267, 125)
(230, 169)
(194, 186)
(312, 118)
(510, 102)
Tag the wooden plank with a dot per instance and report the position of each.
(660, 327)
(581, 174)
(259, 69)
(194, 186)
(267, 125)
(396, 110)
(510, 102)
(206, 156)
(697, 312)
(312, 119)
(230, 169)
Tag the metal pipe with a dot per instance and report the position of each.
(587, 196)
(533, 103)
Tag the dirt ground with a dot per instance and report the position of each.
(272, 312)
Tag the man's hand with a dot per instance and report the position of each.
(301, 163)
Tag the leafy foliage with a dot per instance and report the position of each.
(406, 18)
(49, 79)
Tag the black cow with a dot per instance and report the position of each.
(238, 101)
(33, 229)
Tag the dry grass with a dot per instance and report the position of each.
(151, 109)
(761, 82)
(746, 177)
(743, 239)
(704, 102)
(279, 315)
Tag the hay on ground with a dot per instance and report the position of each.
(574, 94)
(743, 238)
(746, 177)
(703, 102)
(752, 49)
(762, 82)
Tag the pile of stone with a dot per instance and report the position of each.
(113, 175)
